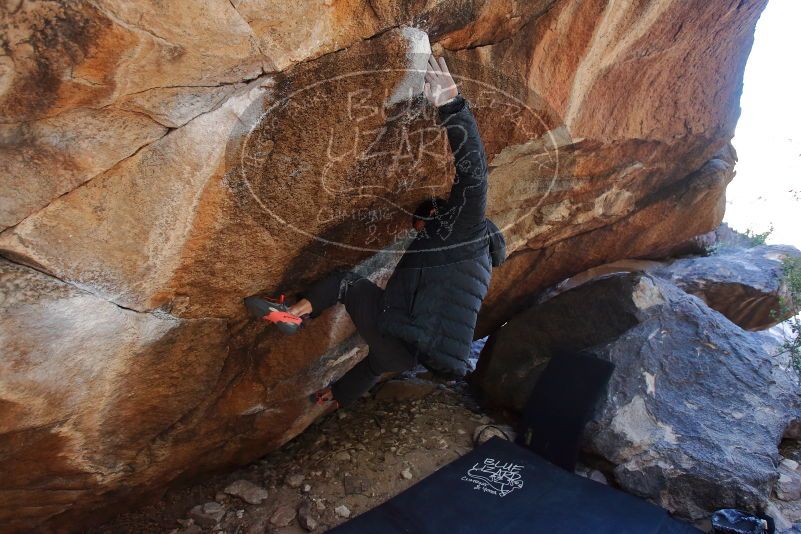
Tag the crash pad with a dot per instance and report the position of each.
(501, 487)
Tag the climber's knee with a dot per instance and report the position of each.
(328, 291)
(347, 279)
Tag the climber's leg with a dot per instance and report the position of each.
(362, 300)
(325, 293)
(322, 295)
(390, 357)
(386, 354)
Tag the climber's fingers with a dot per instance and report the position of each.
(434, 82)
(434, 70)
(444, 67)
(431, 80)
(439, 85)
(432, 64)
(437, 72)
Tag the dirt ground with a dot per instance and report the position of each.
(346, 463)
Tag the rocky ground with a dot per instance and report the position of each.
(787, 495)
(344, 464)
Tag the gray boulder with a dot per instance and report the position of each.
(591, 314)
(744, 284)
(696, 407)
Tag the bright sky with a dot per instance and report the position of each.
(767, 187)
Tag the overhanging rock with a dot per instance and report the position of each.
(125, 131)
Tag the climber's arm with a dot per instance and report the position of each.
(468, 198)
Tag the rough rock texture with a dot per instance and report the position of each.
(696, 406)
(745, 285)
(686, 208)
(159, 161)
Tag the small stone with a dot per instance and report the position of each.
(213, 508)
(307, 516)
(460, 432)
(484, 433)
(319, 504)
(240, 514)
(283, 516)
(597, 476)
(407, 474)
(354, 485)
(789, 464)
(208, 514)
(309, 524)
(342, 456)
(342, 511)
(247, 491)
(788, 487)
(782, 523)
(295, 480)
(306, 488)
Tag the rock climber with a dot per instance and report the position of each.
(428, 311)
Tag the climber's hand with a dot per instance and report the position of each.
(439, 86)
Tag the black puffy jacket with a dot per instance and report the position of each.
(433, 298)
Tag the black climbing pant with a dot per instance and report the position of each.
(362, 300)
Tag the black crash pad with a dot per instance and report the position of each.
(500, 488)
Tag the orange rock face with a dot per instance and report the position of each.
(163, 160)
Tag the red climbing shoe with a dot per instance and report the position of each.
(274, 311)
(325, 397)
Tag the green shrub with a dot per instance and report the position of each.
(753, 239)
(758, 239)
(790, 304)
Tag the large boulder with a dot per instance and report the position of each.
(747, 285)
(162, 160)
(696, 406)
(121, 398)
(744, 284)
